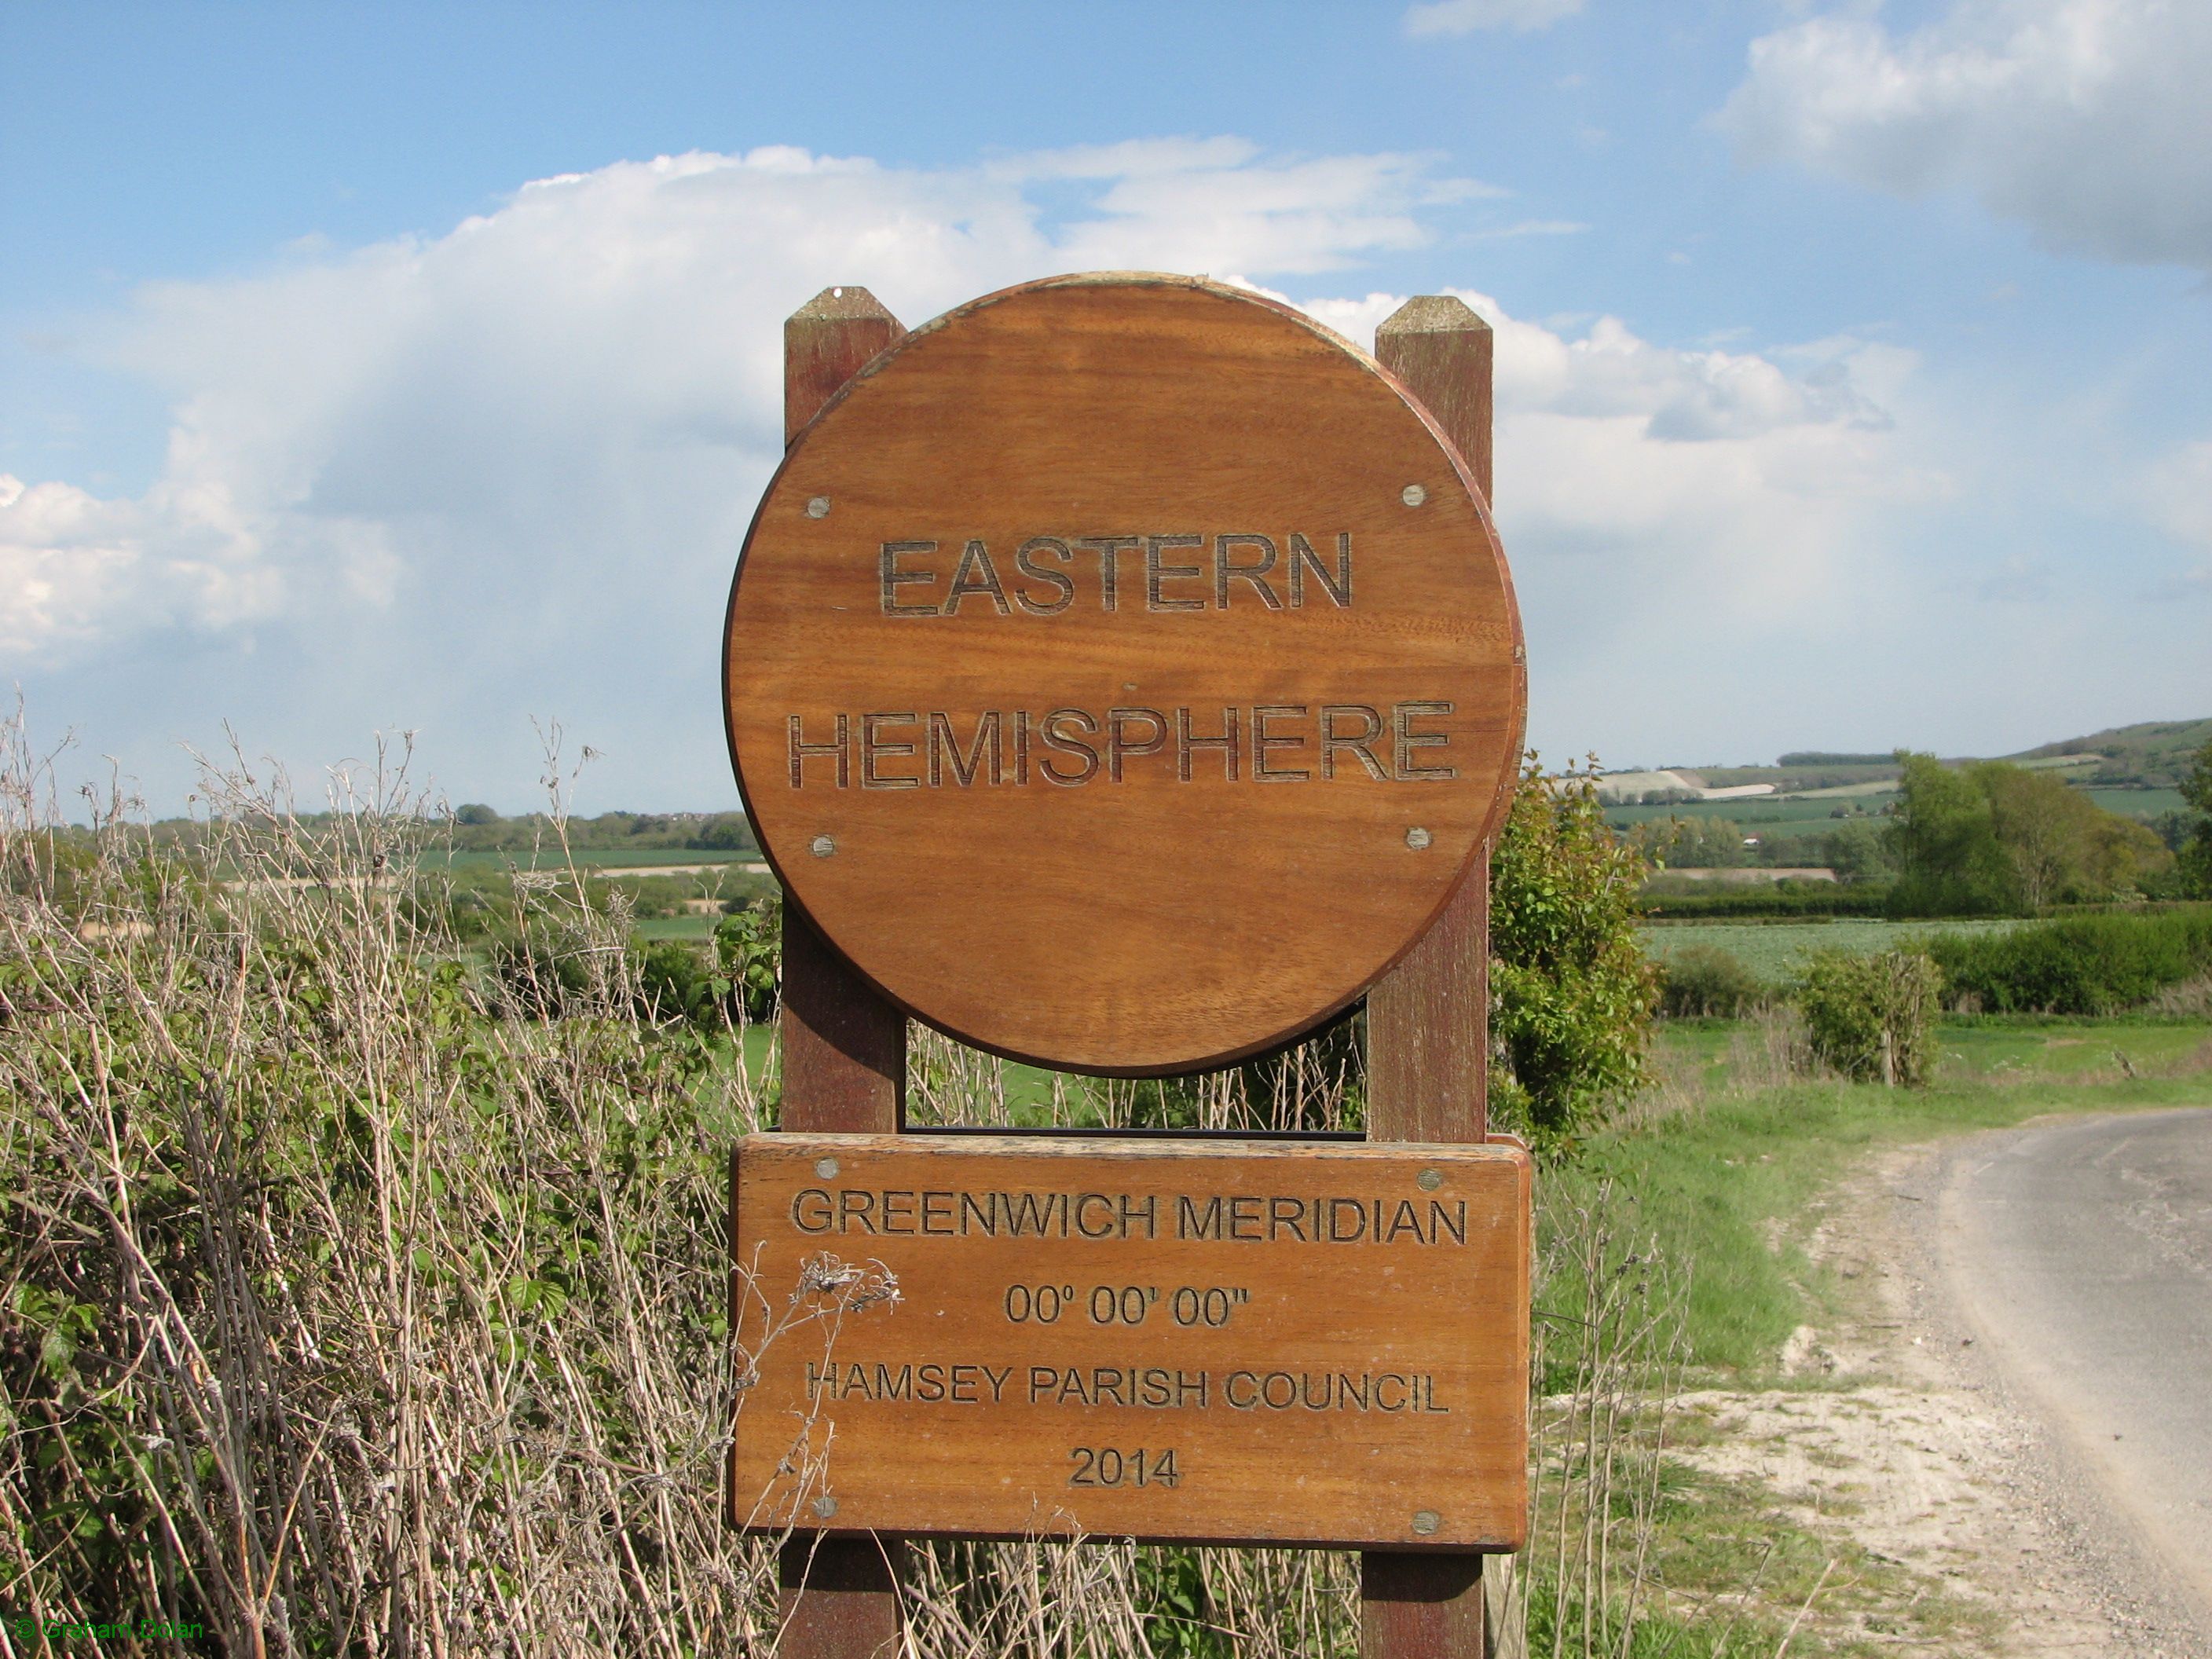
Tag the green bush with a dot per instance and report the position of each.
(749, 949)
(1705, 982)
(539, 979)
(1571, 992)
(1785, 898)
(674, 983)
(1872, 1017)
(2094, 964)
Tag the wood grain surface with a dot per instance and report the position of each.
(1016, 585)
(1311, 1343)
(844, 1067)
(1428, 1018)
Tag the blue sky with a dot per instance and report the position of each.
(412, 368)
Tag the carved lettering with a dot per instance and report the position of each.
(893, 578)
(1356, 743)
(975, 574)
(1403, 718)
(1050, 581)
(1157, 572)
(945, 753)
(1187, 740)
(802, 751)
(1057, 740)
(1059, 582)
(1241, 1217)
(1262, 741)
(875, 747)
(1370, 727)
(1109, 549)
(1226, 568)
(1304, 558)
(1120, 745)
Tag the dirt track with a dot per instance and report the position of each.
(2081, 1254)
(1925, 1436)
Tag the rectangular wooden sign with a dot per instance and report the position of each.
(1317, 1343)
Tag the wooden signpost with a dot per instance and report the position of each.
(1137, 1339)
(1123, 675)
(1136, 645)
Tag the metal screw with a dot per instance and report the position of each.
(825, 1506)
(822, 846)
(1413, 495)
(826, 1167)
(1416, 838)
(1425, 1521)
(818, 508)
(1428, 1181)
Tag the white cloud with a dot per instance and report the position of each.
(586, 367)
(2087, 120)
(1465, 17)
(1672, 482)
(2178, 490)
(452, 482)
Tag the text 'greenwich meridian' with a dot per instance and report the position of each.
(1242, 1217)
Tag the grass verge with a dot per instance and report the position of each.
(1722, 1182)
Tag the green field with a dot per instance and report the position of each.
(1769, 817)
(584, 857)
(1784, 817)
(2137, 803)
(698, 929)
(1776, 949)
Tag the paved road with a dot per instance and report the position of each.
(2082, 1251)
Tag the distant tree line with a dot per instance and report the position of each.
(480, 829)
(1982, 838)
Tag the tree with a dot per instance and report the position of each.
(475, 813)
(726, 832)
(2045, 827)
(1855, 851)
(1943, 840)
(1572, 991)
(1994, 835)
(1701, 842)
(2197, 851)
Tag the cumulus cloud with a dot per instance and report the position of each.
(1465, 17)
(2086, 119)
(454, 482)
(2178, 492)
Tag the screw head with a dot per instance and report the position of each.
(818, 508)
(1418, 838)
(1413, 495)
(825, 1506)
(823, 845)
(1428, 1181)
(826, 1167)
(1425, 1521)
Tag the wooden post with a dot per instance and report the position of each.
(1428, 1019)
(844, 1053)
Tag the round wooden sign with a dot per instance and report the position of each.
(1122, 672)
